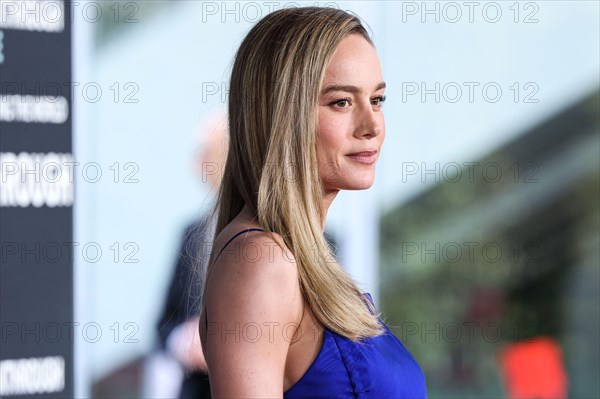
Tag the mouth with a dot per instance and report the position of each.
(364, 157)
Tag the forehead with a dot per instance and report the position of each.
(354, 60)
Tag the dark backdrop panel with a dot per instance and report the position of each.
(36, 260)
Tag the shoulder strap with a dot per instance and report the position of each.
(232, 238)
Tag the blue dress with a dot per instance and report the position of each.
(380, 368)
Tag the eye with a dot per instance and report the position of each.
(378, 101)
(341, 103)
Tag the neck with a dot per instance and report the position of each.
(328, 198)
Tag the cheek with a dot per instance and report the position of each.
(330, 137)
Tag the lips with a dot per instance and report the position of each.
(363, 153)
(364, 157)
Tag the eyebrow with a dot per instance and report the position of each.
(348, 88)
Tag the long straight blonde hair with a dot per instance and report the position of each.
(272, 161)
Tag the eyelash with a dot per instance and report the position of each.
(347, 99)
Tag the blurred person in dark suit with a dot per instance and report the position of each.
(178, 324)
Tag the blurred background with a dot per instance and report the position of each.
(480, 239)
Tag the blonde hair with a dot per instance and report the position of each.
(274, 92)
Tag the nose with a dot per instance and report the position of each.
(370, 122)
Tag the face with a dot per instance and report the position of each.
(351, 126)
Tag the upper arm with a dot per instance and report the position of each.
(254, 304)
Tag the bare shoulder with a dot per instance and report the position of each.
(252, 298)
(252, 260)
(252, 270)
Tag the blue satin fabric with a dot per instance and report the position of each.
(381, 368)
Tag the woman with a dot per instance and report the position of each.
(280, 316)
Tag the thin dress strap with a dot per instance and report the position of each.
(220, 252)
(232, 238)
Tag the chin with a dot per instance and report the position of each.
(365, 180)
(357, 183)
(351, 181)
(364, 186)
